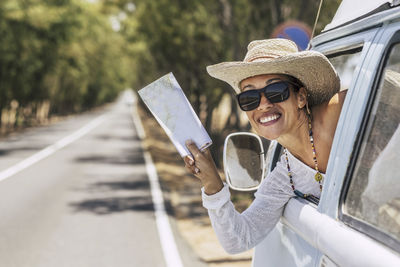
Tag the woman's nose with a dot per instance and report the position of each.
(264, 103)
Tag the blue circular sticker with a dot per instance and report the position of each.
(296, 31)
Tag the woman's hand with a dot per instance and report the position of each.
(203, 167)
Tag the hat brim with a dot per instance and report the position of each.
(310, 67)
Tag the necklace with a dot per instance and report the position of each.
(318, 176)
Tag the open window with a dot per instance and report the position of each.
(345, 63)
(371, 196)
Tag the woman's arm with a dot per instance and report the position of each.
(331, 110)
(336, 102)
(239, 232)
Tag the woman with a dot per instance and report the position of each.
(288, 96)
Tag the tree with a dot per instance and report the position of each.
(186, 36)
(64, 52)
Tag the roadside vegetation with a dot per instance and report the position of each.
(57, 57)
(60, 57)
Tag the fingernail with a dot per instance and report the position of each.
(196, 170)
(191, 161)
(189, 142)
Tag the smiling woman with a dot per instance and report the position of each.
(288, 96)
(276, 108)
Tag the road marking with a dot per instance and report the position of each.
(44, 153)
(170, 250)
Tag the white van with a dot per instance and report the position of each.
(357, 219)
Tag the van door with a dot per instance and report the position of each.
(287, 244)
(363, 200)
(370, 197)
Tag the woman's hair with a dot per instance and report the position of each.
(296, 81)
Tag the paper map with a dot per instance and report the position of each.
(169, 105)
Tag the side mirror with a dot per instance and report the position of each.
(244, 160)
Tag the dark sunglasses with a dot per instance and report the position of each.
(274, 92)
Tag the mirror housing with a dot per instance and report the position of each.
(244, 160)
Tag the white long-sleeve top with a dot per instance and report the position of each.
(238, 232)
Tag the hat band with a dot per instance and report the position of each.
(262, 57)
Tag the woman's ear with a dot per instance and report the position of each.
(301, 98)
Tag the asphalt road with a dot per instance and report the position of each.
(85, 203)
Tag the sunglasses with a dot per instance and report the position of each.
(274, 92)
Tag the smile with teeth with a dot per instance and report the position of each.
(269, 118)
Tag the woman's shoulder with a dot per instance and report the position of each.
(330, 111)
(333, 106)
(336, 102)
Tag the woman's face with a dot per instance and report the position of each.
(273, 120)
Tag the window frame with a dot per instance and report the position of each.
(354, 222)
(353, 49)
(346, 133)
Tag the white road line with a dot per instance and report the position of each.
(170, 250)
(7, 173)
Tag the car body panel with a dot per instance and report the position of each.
(283, 247)
(314, 236)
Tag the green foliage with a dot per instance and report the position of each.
(186, 36)
(67, 52)
(61, 51)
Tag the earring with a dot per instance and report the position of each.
(308, 110)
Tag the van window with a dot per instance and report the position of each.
(345, 64)
(374, 192)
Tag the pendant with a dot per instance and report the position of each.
(318, 177)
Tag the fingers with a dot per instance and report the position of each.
(196, 170)
(200, 163)
(194, 150)
(188, 160)
(192, 169)
(190, 165)
(207, 154)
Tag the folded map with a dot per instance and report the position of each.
(169, 105)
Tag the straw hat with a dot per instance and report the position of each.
(281, 56)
